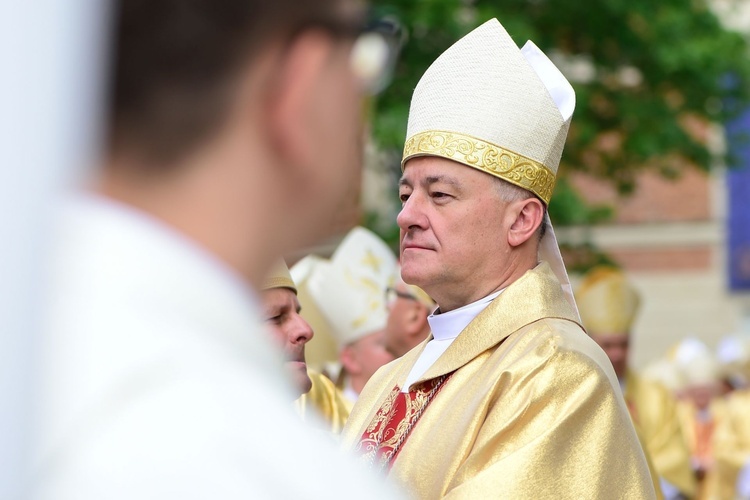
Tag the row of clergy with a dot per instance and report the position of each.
(691, 407)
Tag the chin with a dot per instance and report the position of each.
(298, 373)
(411, 278)
(412, 271)
(304, 384)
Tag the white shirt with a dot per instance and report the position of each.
(445, 328)
(157, 379)
(349, 392)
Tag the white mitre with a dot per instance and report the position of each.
(323, 347)
(696, 362)
(350, 288)
(667, 373)
(506, 111)
(733, 353)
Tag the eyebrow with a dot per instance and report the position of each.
(432, 179)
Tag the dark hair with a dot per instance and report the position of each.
(175, 62)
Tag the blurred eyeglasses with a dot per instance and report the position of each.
(377, 44)
(392, 295)
(375, 53)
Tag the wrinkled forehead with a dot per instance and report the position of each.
(432, 169)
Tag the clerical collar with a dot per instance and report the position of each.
(448, 325)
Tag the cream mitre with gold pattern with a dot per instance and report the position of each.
(279, 277)
(488, 105)
(349, 290)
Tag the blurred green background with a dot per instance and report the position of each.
(648, 76)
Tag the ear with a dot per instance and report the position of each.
(292, 93)
(415, 317)
(529, 215)
(349, 361)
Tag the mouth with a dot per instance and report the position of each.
(294, 353)
(297, 365)
(412, 246)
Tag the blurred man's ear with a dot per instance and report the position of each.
(349, 360)
(290, 110)
(415, 316)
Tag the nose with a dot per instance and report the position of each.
(302, 332)
(411, 214)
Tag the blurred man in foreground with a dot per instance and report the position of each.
(227, 117)
(608, 305)
(508, 398)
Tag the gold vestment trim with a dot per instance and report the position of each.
(495, 160)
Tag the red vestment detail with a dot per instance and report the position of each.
(394, 420)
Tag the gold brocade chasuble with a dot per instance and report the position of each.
(732, 442)
(326, 401)
(530, 410)
(655, 413)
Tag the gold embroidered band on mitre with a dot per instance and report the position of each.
(495, 160)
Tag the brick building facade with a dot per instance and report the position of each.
(670, 237)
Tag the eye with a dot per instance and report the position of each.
(403, 196)
(274, 319)
(439, 195)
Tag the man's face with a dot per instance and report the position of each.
(290, 331)
(453, 232)
(616, 347)
(702, 395)
(370, 353)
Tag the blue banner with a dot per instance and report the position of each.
(738, 192)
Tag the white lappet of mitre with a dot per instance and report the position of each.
(350, 289)
(506, 111)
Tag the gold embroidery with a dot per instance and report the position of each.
(381, 441)
(375, 299)
(372, 260)
(491, 158)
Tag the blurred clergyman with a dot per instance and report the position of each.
(700, 410)
(290, 331)
(349, 291)
(233, 135)
(408, 308)
(732, 435)
(608, 304)
(317, 394)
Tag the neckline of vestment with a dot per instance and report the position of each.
(448, 325)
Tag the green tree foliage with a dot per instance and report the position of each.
(657, 72)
